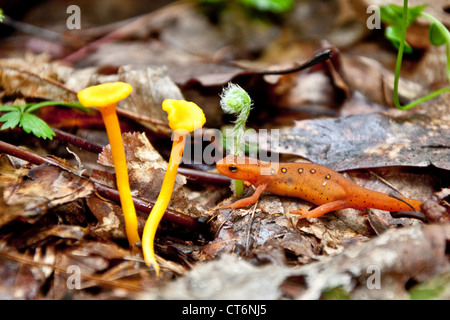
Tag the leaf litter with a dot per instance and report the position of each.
(54, 217)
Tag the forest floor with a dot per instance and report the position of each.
(62, 232)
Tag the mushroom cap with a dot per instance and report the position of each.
(183, 115)
(105, 94)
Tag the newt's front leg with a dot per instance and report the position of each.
(247, 201)
(321, 210)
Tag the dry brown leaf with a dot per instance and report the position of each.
(226, 278)
(146, 171)
(416, 138)
(151, 85)
(398, 255)
(19, 281)
(34, 77)
(27, 192)
(139, 152)
(37, 78)
(45, 187)
(183, 67)
(111, 224)
(436, 209)
(416, 252)
(355, 71)
(263, 236)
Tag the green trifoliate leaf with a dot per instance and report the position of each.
(393, 14)
(32, 123)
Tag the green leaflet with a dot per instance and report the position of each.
(393, 15)
(22, 115)
(34, 124)
(399, 18)
(10, 119)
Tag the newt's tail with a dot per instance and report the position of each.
(408, 203)
(381, 201)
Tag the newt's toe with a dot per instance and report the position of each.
(302, 212)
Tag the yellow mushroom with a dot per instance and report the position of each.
(105, 97)
(184, 117)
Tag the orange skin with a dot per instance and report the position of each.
(319, 185)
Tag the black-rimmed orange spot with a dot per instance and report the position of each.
(284, 170)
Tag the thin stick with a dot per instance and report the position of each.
(320, 57)
(36, 31)
(109, 193)
(193, 175)
(249, 228)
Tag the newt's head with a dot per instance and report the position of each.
(243, 168)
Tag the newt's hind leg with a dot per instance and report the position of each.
(321, 210)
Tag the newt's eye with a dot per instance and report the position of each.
(232, 168)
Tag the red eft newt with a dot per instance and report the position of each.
(314, 183)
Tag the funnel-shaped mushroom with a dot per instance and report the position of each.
(184, 117)
(105, 97)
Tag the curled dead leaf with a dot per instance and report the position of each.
(32, 191)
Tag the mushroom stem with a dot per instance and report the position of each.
(184, 117)
(113, 131)
(162, 202)
(105, 97)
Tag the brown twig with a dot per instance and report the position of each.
(38, 31)
(194, 175)
(26, 155)
(202, 176)
(139, 117)
(320, 57)
(409, 214)
(145, 206)
(77, 141)
(107, 192)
